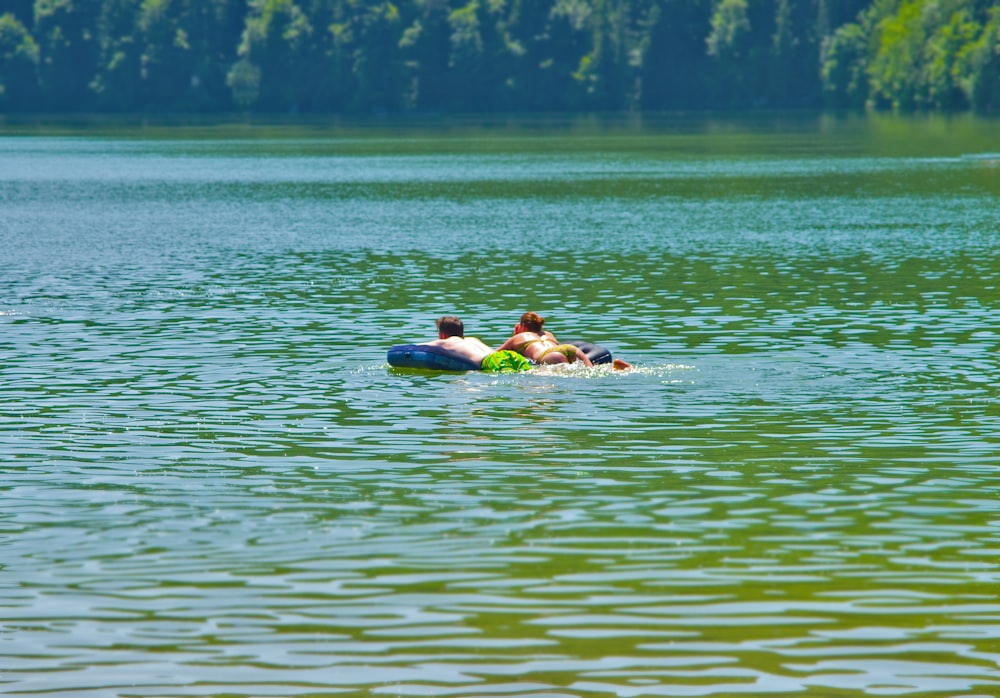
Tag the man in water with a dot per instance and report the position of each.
(451, 336)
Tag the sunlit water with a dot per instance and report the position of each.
(213, 484)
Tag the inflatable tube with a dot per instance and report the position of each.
(429, 356)
(596, 353)
(436, 358)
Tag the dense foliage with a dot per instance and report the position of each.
(496, 55)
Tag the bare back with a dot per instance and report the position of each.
(529, 344)
(470, 347)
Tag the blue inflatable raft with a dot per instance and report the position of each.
(440, 359)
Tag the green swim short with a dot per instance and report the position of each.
(505, 362)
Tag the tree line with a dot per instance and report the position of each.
(359, 56)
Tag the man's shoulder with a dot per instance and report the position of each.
(453, 342)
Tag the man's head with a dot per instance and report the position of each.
(532, 322)
(450, 326)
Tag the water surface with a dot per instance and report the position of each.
(213, 484)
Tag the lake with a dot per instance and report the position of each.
(214, 484)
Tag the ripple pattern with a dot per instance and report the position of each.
(212, 483)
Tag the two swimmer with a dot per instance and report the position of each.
(529, 345)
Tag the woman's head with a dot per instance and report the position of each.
(532, 322)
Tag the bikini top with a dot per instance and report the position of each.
(525, 345)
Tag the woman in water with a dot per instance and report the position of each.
(541, 347)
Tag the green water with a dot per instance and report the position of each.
(213, 484)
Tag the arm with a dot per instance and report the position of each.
(511, 343)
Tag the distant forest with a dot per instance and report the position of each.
(429, 56)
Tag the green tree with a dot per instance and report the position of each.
(361, 55)
(605, 71)
(933, 55)
(67, 36)
(675, 61)
(946, 66)
(377, 62)
(557, 55)
(366, 57)
(981, 62)
(273, 67)
(844, 69)
(424, 51)
(339, 83)
(481, 57)
(795, 55)
(23, 11)
(18, 66)
(117, 84)
(185, 49)
(546, 40)
(730, 42)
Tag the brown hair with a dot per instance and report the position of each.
(451, 326)
(532, 322)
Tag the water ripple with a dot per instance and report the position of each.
(213, 482)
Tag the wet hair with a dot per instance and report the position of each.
(532, 322)
(451, 326)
